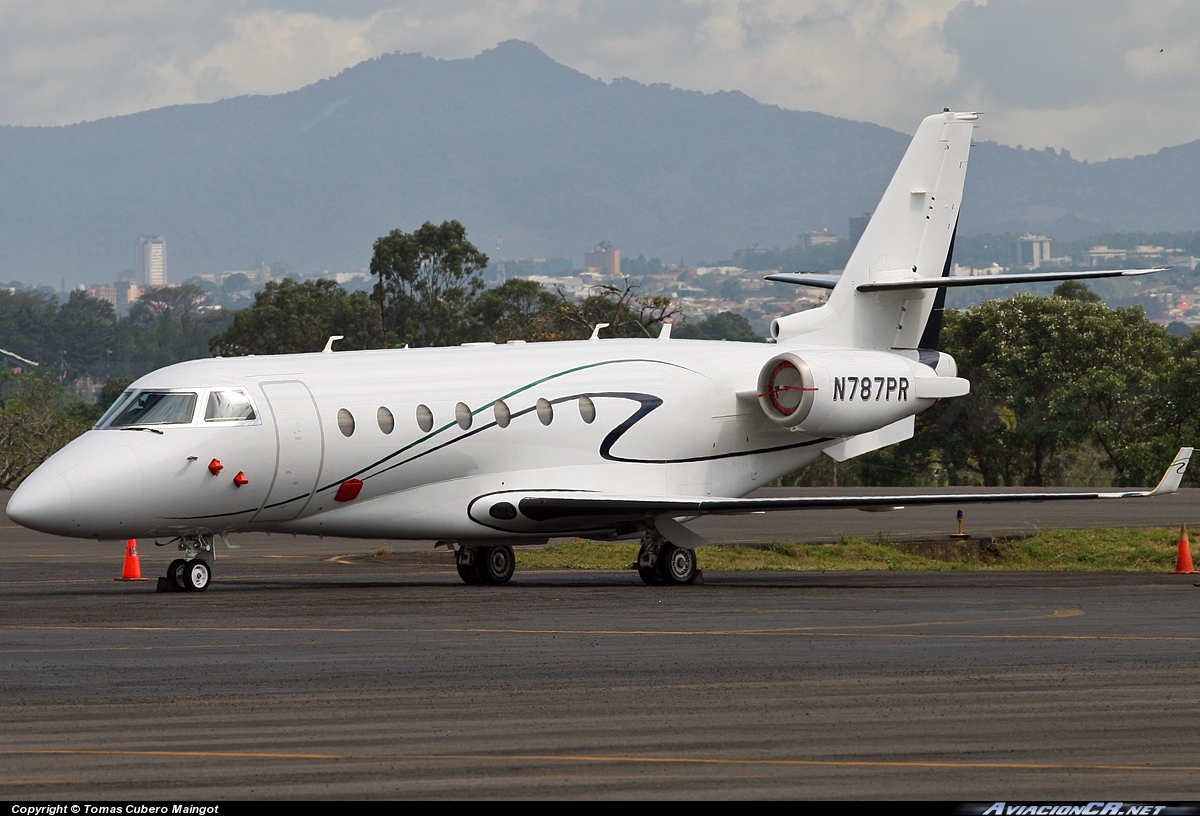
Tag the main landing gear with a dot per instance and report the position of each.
(486, 565)
(661, 562)
(193, 572)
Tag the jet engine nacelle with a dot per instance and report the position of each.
(847, 392)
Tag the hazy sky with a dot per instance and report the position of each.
(1102, 78)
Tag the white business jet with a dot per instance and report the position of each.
(486, 446)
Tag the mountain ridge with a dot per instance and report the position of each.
(511, 143)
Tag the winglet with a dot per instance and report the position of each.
(1174, 475)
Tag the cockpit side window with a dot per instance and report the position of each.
(112, 409)
(157, 408)
(229, 406)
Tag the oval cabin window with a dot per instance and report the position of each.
(545, 411)
(587, 410)
(503, 415)
(462, 415)
(345, 422)
(424, 418)
(387, 422)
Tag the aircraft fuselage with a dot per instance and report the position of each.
(425, 431)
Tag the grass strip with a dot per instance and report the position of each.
(1098, 550)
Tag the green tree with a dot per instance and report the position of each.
(626, 313)
(112, 389)
(427, 280)
(290, 317)
(515, 310)
(36, 419)
(723, 326)
(28, 325)
(86, 332)
(166, 326)
(1049, 375)
(1075, 290)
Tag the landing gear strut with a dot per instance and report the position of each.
(486, 565)
(661, 562)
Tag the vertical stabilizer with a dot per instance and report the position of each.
(910, 235)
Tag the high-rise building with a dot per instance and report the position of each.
(152, 260)
(857, 227)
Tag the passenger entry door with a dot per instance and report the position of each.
(300, 448)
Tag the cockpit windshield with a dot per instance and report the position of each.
(157, 408)
(112, 409)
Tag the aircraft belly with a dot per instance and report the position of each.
(430, 511)
(440, 510)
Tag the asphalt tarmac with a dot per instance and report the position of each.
(312, 670)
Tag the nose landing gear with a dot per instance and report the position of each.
(193, 572)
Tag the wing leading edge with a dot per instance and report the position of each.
(591, 509)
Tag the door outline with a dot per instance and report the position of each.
(282, 512)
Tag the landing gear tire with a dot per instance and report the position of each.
(495, 565)
(469, 574)
(676, 565)
(650, 576)
(175, 573)
(647, 565)
(197, 575)
(486, 565)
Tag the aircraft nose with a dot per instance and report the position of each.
(42, 502)
(89, 489)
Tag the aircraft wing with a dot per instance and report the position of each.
(588, 509)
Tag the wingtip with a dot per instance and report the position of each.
(1174, 475)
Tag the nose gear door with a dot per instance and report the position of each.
(300, 447)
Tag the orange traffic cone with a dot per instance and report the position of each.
(1183, 561)
(133, 566)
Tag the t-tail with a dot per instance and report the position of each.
(910, 238)
(893, 290)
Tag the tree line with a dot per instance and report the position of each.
(83, 337)
(429, 291)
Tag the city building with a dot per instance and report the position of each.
(108, 293)
(821, 237)
(152, 261)
(858, 226)
(122, 295)
(604, 260)
(1032, 250)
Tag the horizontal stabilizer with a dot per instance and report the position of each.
(805, 279)
(995, 280)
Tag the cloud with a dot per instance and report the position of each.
(269, 52)
(1102, 77)
(879, 60)
(63, 62)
